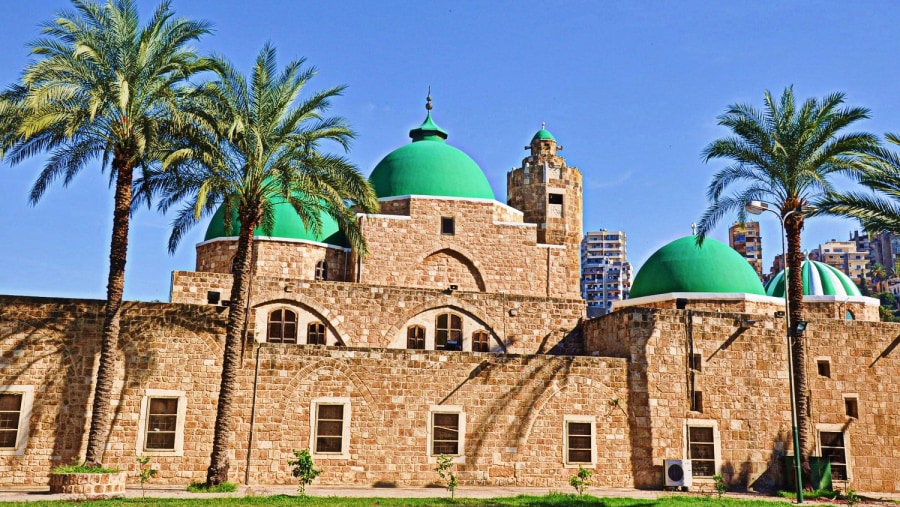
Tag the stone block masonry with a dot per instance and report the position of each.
(514, 405)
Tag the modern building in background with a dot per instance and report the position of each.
(846, 257)
(605, 271)
(744, 237)
(884, 248)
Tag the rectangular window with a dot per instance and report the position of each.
(446, 434)
(555, 199)
(702, 450)
(579, 440)
(10, 415)
(446, 431)
(448, 226)
(696, 361)
(15, 414)
(824, 367)
(330, 428)
(851, 407)
(697, 401)
(832, 444)
(162, 424)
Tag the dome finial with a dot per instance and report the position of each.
(428, 105)
(693, 229)
(543, 125)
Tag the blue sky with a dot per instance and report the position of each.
(630, 89)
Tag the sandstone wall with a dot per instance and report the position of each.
(371, 316)
(484, 254)
(743, 378)
(272, 257)
(514, 405)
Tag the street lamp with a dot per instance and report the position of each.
(757, 208)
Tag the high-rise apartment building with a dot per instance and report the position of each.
(745, 238)
(605, 271)
(846, 257)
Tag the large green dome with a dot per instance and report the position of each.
(819, 279)
(288, 225)
(429, 166)
(682, 266)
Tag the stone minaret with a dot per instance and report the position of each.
(549, 193)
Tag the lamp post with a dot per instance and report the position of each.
(757, 208)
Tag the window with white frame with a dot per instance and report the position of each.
(161, 426)
(330, 425)
(579, 440)
(703, 447)
(15, 413)
(446, 430)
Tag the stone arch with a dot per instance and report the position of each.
(446, 266)
(449, 302)
(552, 392)
(305, 373)
(327, 316)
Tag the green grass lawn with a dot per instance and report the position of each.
(552, 500)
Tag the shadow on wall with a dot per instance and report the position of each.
(60, 342)
(741, 476)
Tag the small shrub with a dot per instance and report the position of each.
(147, 472)
(444, 470)
(721, 486)
(581, 480)
(201, 487)
(303, 469)
(851, 497)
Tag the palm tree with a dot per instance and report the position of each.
(102, 87)
(785, 155)
(264, 150)
(878, 210)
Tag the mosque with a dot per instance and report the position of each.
(462, 334)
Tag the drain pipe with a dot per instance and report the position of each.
(252, 418)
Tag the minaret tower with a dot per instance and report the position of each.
(549, 193)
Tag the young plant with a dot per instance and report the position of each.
(146, 470)
(303, 469)
(721, 486)
(444, 470)
(851, 496)
(581, 480)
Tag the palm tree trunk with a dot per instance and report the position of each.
(793, 225)
(237, 315)
(100, 416)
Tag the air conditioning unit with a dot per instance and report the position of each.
(678, 473)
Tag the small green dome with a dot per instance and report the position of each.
(543, 134)
(429, 166)
(819, 279)
(682, 266)
(288, 225)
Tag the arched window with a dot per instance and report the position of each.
(480, 341)
(282, 327)
(848, 315)
(448, 335)
(321, 271)
(315, 333)
(415, 337)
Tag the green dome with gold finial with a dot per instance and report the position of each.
(429, 166)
